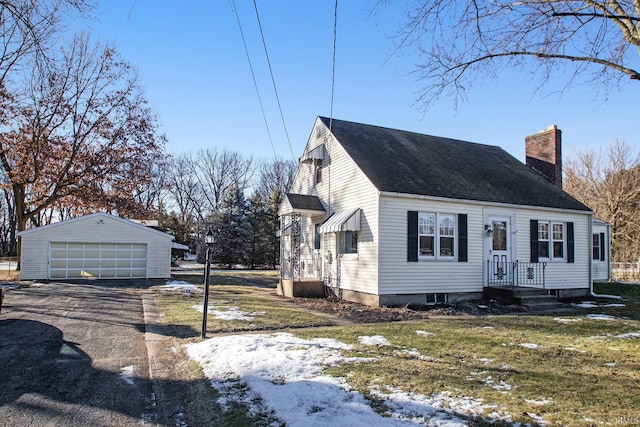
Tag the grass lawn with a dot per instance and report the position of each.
(573, 369)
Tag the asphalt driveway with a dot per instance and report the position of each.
(75, 355)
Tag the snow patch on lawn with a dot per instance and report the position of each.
(425, 333)
(600, 317)
(179, 286)
(585, 304)
(378, 340)
(501, 385)
(438, 409)
(539, 402)
(229, 313)
(566, 320)
(284, 374)
(530, 345)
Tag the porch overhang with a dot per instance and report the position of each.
(303, 204)
(347, 220)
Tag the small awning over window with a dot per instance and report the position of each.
(315, 154)
(348, 220)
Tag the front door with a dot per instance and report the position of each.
(499, 251)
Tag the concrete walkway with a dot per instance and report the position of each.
(76, 355)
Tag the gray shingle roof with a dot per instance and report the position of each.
(412, 163)
(304, 202)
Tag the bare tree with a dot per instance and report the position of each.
(79, 133)
(28, 29)
(184, 188)
(275, 179)
(218, 172)
(461, 40)
(610, 185)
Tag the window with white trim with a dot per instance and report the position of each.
(436, 235)
(596, 247)
(551, 240)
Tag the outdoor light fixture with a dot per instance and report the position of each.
(208, 241)
(488, 229)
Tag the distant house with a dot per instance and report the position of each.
(96, 246)
(390, 217)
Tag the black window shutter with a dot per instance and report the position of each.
(412, 236)
(462, 238)
(570, 243)
(533, 232)
(602, 242)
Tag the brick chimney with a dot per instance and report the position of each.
(544, 153)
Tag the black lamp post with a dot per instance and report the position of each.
(208, 241)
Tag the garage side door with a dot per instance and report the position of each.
(71, 260)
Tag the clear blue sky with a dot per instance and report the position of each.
(197, 79)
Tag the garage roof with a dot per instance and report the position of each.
(98, 216)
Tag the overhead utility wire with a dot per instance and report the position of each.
(273, 80)
(253, 76)
(333, 65)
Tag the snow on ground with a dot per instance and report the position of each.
(593, 304)
(600, 317)
(539, 402)
(626, 336)
(285, 374)
(500, 385)
(179, 286)
(229, 312)
(127, 374)
(585, 304)
(565, 319)
(425, 333)
(530, 345)
(377, 340)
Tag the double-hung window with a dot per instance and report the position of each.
(596, 247)
(551, 240)
(436, 235)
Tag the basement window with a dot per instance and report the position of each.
(433, 299)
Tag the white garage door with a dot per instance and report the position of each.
(69, 260)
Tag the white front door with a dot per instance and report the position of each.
(498, 250)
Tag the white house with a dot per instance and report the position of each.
(96, 246)
(390, 217)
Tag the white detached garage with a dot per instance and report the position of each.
(96, 246)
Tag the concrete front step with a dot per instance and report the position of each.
(536, 299)
(519, 295)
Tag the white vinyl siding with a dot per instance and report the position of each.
(397, 276)
(562, 274)
(349, 189)
(98, 231)
(71, 260)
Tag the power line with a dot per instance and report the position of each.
(273, 81)
(333, 65)
(253, 76)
